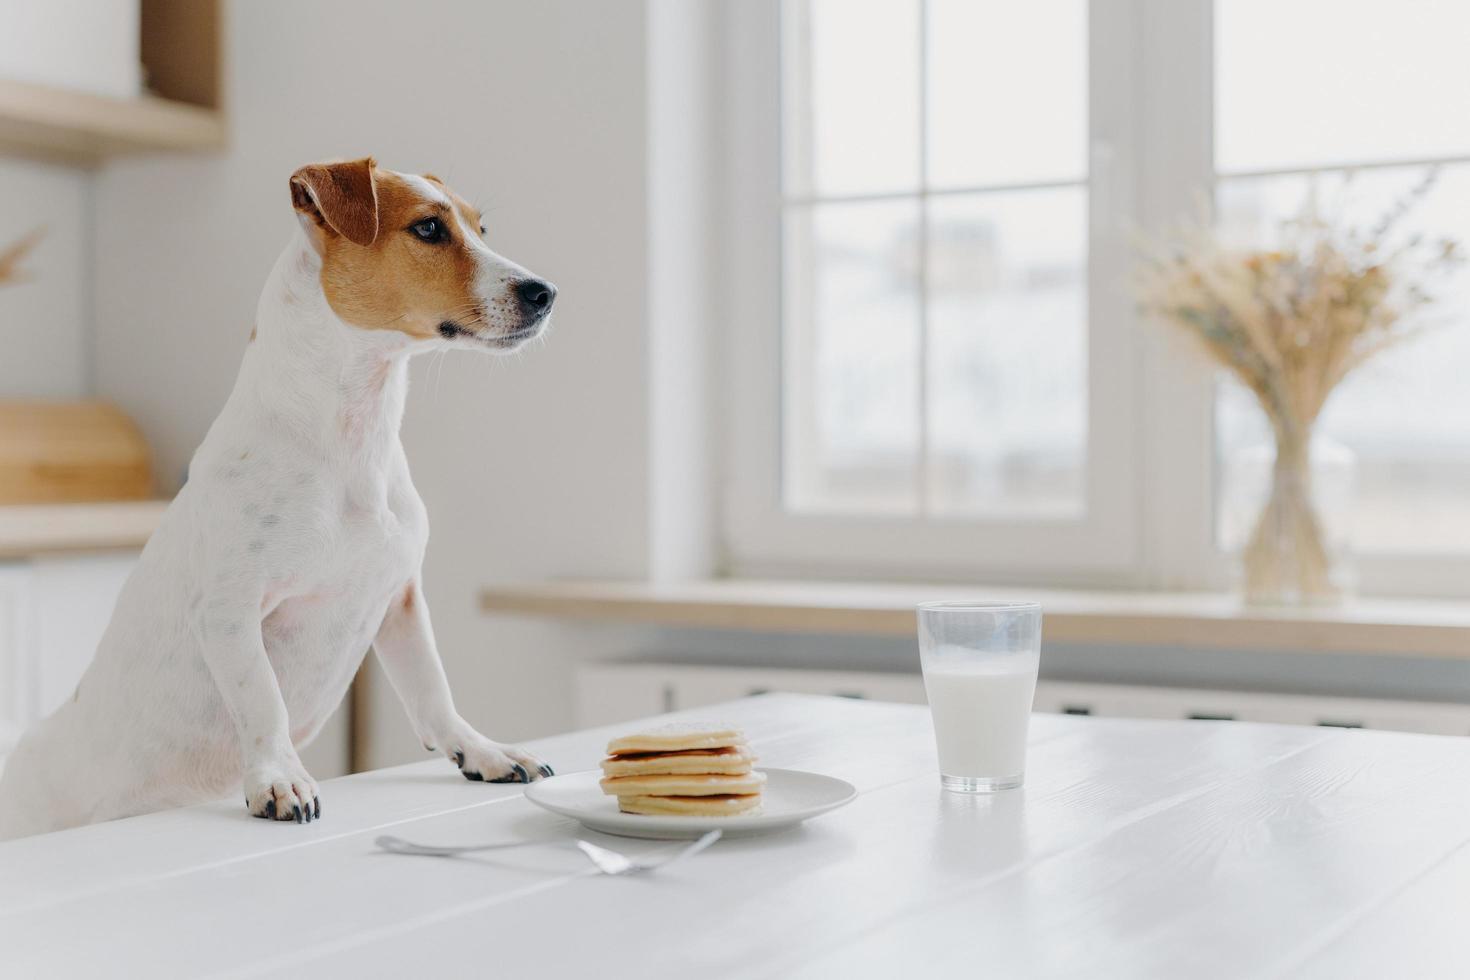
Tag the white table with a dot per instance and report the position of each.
(1137, 849)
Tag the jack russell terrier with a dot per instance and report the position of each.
(298, 538)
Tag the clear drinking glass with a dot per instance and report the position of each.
(980, 661)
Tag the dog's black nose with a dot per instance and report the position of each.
(536, 296)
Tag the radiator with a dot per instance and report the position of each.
(609, 693)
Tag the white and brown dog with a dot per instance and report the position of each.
(297, 541)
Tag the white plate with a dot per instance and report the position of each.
(790, 796)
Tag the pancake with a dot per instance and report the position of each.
(690, 806)
(672, 784)
(678, 737)
(730, 761)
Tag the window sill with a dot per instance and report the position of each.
(1384, 627)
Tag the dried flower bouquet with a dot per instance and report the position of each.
(1290, 324)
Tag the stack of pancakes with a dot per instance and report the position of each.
(683, 770)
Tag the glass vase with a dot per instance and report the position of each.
(1286, 512)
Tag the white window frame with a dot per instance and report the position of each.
(1149, 520)
(760, 532)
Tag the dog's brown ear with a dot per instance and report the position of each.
(340, 198)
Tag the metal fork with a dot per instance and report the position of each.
(608, 862)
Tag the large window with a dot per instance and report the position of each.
(952, 376)
(936, 254)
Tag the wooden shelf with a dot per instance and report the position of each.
(79, 127)
(180, 46)
(28, 530)
(1385, 627)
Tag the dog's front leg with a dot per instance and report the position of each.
(405, 646)
(277, 786)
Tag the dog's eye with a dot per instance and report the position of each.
(482, 229)
(430, 230)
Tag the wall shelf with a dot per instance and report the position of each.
(180, 45)
(78, 127)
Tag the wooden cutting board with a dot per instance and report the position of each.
(71, 452)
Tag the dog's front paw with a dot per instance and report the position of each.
(481, 759)
(282, 791)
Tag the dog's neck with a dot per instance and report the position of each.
(319, 377)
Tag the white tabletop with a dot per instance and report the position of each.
(1137, 849)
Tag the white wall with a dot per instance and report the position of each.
(532, 466)
(45, 337)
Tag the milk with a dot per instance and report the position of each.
(980, 710)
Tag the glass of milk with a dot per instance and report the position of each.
(980, 661)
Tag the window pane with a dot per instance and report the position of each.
(853, 97)
(1007, 92)
(1007, 375)
(1406, 414)
(1306, 83)
(851, 357)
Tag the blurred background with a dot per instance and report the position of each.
(847, 318)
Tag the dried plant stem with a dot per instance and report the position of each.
(11, 256)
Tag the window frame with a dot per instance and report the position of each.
(759, 532)
(1151, 466)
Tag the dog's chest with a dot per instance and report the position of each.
(321, 616)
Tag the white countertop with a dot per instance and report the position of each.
(1137, 849)
(28, 530)
(1437, 628)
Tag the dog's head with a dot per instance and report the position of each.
(404, 252)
